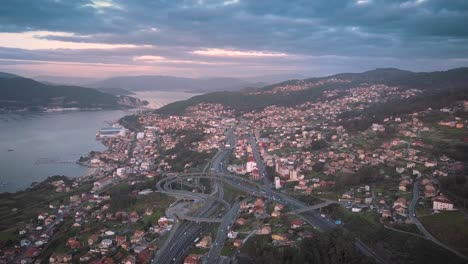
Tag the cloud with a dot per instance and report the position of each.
(38, 40)
(236, 53)
(307, 36)
(159, 59)
(102, 4)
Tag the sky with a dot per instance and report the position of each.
(235, 38)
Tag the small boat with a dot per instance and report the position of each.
(11, 150)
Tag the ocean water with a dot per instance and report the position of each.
(36, 145)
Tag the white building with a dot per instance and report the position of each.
(277, 183)
(440, 203)
(140, 135)
(251, 164)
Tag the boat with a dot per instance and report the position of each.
(11, 150)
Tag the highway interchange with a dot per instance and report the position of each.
(189, 229)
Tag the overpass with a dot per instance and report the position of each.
(199, 219)
(313, 207)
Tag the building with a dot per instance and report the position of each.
(293, 175)
(441, 203)
(251, 164)
(277, 183)
(140, 135)
(99, 185)
(112, 132)
(205, 242)
(192, 259)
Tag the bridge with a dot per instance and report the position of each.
(199, 219)
(313, 207)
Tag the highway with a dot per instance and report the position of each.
(312, 217)
(186, 233)
(214, 254)
(177, 246)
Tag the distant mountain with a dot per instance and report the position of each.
(24, 93)
(170, 83)
(64, 80)
(451, 83)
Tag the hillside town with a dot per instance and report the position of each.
(115, 215)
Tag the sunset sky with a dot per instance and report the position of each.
(101, 38)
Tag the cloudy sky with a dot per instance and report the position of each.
(100, 38)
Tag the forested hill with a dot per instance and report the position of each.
(289, 93)
(24, 93)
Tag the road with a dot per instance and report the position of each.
(259, 161)
(182, 238)
(420, 226)
(214, 254)
(312, 217)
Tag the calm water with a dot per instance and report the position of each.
(46, 144)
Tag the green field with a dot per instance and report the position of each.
(450, 228)
(393, 246)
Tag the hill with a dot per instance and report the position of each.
(7, 75)
(451, 83)
(64, 80)
(24, 93)
(170, 83)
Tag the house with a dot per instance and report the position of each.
(279, 237)
(137, 236)
(232, 234)
(237, 243)
(386, 213)
(279, 207)
(120, 240)
(401, 201)
(129, 260)
(241, 221)
(368, 200)
(402, 187)
(399, 209)
(134, 217)
(192, 259)
(296, 224)
(163, 221)
(265, 230)
(276, 214)
(441, 203)
(106, 243)
(251, 164)
(149, 211)
(205, 242)
(73, 243)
